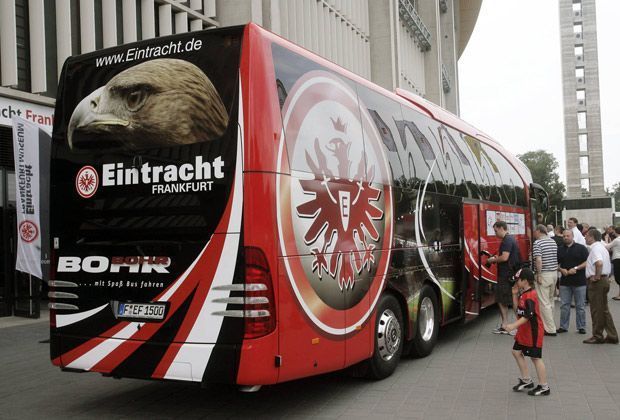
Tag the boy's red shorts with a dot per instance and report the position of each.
(533, 352)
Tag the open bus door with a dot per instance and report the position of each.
(471, 260)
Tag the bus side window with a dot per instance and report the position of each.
(384, 113)
(405, 240)
(459, 161)
(420, 154)
(470, 147)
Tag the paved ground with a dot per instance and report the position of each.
(468, 376)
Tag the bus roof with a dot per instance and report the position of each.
(404, 97)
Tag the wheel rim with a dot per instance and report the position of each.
(388, 335)
(426, 319)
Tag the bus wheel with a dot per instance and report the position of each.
(389, 338)
(427, 323)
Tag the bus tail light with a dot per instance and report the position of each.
(259, 306)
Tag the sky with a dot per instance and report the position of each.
(510, 78)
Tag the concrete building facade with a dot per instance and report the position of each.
(586, 196)
(409, 44)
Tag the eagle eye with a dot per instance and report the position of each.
(135, 99)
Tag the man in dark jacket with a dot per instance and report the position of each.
(559, 235)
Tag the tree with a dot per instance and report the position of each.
(615, 193)
(543, 167)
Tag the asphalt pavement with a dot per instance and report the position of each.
(469, 375)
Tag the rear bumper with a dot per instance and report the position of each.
(207, 363)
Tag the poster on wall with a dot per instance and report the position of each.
(515, 221)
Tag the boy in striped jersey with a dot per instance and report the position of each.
(530, 332)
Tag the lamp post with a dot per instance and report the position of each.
(555, 214)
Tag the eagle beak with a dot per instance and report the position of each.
(91, 114)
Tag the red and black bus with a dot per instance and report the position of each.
(229, 207)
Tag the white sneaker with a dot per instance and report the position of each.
(499, 330)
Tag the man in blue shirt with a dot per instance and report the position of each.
(507, 260)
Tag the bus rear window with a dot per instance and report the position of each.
(158, 93)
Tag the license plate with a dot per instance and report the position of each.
(146, 311)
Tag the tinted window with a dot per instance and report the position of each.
(460, 162)
(509, 181)
(339, 143)
(163, 143)
(421, 155)
(385, 113)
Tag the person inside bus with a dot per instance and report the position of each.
(507, 260)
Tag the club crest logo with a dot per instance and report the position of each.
(87, 182)
(342, 210)
(335, 209)
(28, 231)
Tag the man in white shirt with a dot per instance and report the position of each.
(598, 268)
(577, 236)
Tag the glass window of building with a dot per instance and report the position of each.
(581, 96)
(583, 142)
(583, 164)
(581, 120)
(585, 187)
(580, 75)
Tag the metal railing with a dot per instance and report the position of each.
(445, 79)
(414, 23)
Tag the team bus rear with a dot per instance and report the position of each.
(229, 207)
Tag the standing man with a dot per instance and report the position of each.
(545, 252)
(507, 260)
(577, 236)
(572, 264)
(559, 235)
(598, 268)
(559, 240)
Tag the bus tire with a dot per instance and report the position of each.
(427, 323)
(389, 338)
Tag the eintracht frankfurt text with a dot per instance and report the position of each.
(187, 177)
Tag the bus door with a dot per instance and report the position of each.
(471, 260)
